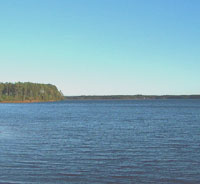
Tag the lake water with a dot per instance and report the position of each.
(152, 141)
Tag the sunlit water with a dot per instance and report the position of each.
(101, 142)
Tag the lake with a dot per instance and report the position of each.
(122, 141)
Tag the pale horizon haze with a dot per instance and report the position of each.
(102, 47)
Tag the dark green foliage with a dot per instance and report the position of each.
(29, 92)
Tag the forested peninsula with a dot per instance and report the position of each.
(26, 92)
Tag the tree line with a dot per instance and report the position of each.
(132, 97)
(28, 91)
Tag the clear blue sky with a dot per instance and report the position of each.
(102, 47)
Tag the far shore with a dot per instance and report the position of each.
(112, 97)
(132, 97)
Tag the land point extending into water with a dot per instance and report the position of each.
(28, 92)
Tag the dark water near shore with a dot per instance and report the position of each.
(100, 142)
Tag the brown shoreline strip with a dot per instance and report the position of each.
(27, 101)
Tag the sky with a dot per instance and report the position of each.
(102, 47)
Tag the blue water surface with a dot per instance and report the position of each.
(138, 141)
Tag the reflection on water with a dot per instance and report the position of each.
(5, 133)
(100, 142)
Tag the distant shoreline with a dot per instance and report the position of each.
(132, 97)
(112, 97)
